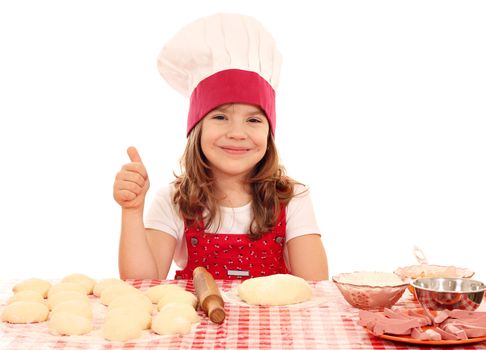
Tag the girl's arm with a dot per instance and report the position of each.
(307, 257)
(162, 246)
(135, 259)
(143, 253)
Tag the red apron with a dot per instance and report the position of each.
(235, 256)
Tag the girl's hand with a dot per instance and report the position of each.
(131, 182)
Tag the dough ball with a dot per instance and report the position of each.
(66, 295)
(156, 292)
(280, 289)
(121, 328)
(27, 295)
(66, 323)
(103, 284)
(177, 296)
(137, 300)
(86, 281)
(167, 324)
(25, 312)
(41, 286)
(63, 286)
(112, 292)
(77, 307)
(183, 310)
(141, 317)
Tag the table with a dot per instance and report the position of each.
(326, 322)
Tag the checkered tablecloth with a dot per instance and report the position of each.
(326, 322)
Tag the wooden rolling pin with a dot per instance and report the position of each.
(208, 294)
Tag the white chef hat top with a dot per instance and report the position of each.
(219, 43)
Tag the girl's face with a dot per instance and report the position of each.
(234, 138)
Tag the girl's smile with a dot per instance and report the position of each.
(235, 150)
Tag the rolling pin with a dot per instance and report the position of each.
(208, 294)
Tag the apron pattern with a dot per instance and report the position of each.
(235, 256)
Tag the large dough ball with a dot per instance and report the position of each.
(167, 324)
(25, 312)
(136, 300)
(280, 289)
(177, 296)
(121, 328)
(66, 323)
(66, 295)
(108, 282)
(36, 284)
(64, 286)
(156, 292)
(112, 292)
(26, 295)
(141, 317)
(86, 281)
(78, 307)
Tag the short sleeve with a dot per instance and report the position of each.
(162, 214)
(301, 219)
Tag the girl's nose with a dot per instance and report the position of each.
(236, 131)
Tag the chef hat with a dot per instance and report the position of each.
(224, 58)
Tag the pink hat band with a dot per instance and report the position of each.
(231, 86)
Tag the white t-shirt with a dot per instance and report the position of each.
(163, 216)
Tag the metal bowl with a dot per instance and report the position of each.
(412, 272)
(449, 293)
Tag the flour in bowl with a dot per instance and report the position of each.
(378, 279)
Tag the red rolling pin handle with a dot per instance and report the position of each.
(208, 295)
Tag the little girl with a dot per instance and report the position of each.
(232, 209)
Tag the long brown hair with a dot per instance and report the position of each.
(194, 193)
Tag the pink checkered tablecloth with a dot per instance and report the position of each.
(325, 322)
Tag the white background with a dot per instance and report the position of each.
(381, 110)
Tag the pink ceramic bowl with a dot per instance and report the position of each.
(369, 297)
(432, 271)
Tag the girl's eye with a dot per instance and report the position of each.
(255, 120)
(219, 117)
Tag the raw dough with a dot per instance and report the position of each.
(167, 324)
(65, 295)
(177, 296)
(25, 312)
(143, 318)
(78, 307)
(26, 295)
(137, 300)
(183, 310)
(156, 292)
(112, 292)
(86, 281)
(66, 323)
(41, 286)
(103, 284)
(121, 328)
(63, 286)
(174, 318)
(280, 289)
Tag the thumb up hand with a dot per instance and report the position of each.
(131, 182)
